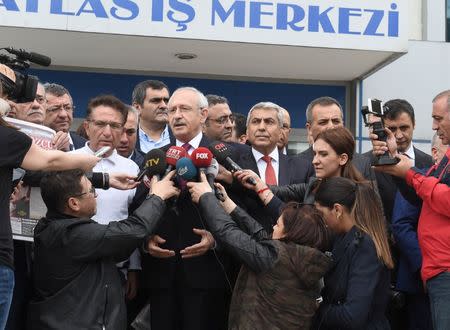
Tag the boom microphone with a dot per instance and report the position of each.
(154, 164)
(30, 56)
(222, 154)
(186, 169)
(173, 154)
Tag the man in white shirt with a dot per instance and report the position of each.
(104, 124)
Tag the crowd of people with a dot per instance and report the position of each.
(315, 240)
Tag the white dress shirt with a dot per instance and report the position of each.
(411, 154)
(195, 142)
(112, 204)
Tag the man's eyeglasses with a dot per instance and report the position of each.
(224, 119)
(158, 100)
(58, 108)
(102, 124)
(91, 191)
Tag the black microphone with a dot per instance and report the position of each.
(211, 172)
(222, 154)
(30, 56)
(154, 164)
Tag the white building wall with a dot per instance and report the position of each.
(434, 12)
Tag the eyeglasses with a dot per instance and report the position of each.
(158, 100)
(130, 131)
(91, 191)
(102, 124)
(224, 119)
(58, 108)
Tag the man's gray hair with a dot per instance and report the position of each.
(57, 90)
(323, 101)
(202, 101)
(135, 112)
(442, 94)
(268, 106)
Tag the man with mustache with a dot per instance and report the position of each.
(150, 98)
(264, 125)
(127, 143)
(183, 274)
(33, 112)
(219, 124)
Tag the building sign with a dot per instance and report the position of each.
(349, 24)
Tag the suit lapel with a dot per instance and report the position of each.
(283, 169)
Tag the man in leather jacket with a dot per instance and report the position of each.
(77, 284)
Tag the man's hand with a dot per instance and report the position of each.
(199, 249)
(155, 251)
(399, 169)
(224, 175)
(61, 141)
(122, 181)
(132, 285)
(197, 189)
(380, 147)
(164, 188)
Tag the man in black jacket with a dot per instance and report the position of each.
(77, 284)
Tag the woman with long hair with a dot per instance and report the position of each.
(356, 291)
(278, 284)
(333, 154)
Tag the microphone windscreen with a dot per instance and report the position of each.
(173, 154)
(220, 151)
(155, 162)
(213, 169)
(186, 169)
(201, 157)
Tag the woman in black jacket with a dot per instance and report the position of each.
(278, 284)
(356, 291)
(333, 154)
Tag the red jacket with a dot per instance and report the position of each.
(434, 221)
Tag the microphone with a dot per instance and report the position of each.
(32, 57)
(201, 157)
(211, 173)
(186, 169)
(173, 154)
(154, 164)
(222, 154)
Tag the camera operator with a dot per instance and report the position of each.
(18, 150)
(77, 284)
(433, 189)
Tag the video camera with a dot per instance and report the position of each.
(23, 87)
(376, 108)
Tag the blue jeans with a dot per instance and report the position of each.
(439, 292)
(6, 293)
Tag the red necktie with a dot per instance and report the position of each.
(271, 179)
(186, 147)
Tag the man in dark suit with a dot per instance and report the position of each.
(323, 113)
(264, 126)
(285, 131)
(127, 143)
(182, 273)
(400, 120)
(59, 115)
